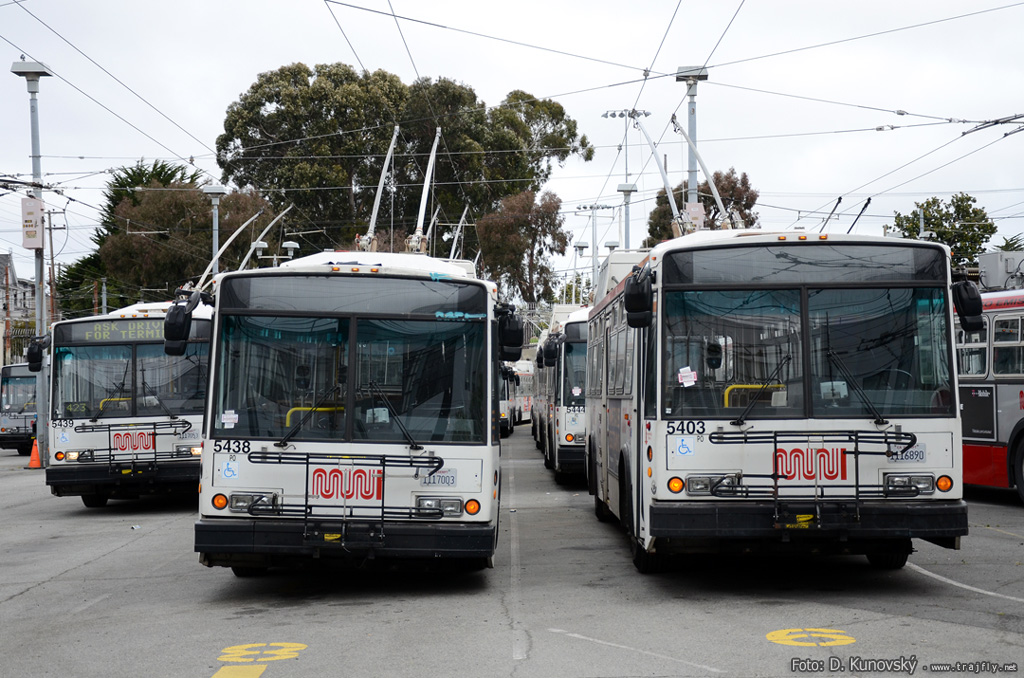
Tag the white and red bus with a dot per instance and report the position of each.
(354, 412)
(990, 362)
(125, 418)
(779, 391)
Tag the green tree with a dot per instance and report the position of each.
(1015, 243)
(738, 197)
(317, 137)
(521, 235)
(957, 223)
(77, 283)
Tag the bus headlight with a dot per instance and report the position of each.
(188, 450)
(910, 485)
(76, 455)
(252, 501)
(703, 485)
(449, 506)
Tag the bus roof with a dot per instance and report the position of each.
(388, 262)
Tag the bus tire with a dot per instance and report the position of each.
(25, 450)
(601, 510)
(644, 561)
(1018, 470)
(97, 500)
(245, 572)
(893, 558)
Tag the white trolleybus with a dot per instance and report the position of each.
(125, 417)
(561, 390)
(353, 412)
(787, 391)
(18, 417)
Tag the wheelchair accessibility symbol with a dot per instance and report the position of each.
(229, 470)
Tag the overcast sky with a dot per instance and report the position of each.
(805, 97)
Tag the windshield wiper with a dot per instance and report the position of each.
(764, 386)
(413, 445)
(838, 362)
(146, 387)
(306, 415)
(118, 391)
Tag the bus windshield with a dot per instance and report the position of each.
(299, 377)
(574, 378)
(882, 348)
(19, 393)
(99, 381)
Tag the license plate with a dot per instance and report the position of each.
(446, 477)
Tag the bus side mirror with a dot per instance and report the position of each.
(34, 355)
(540, 357)
(550, 353)
(510, 337)
(967, 301)
(638, 298)
(714, 355)
(177, 326)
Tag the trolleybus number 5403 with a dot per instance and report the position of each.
(686, 427)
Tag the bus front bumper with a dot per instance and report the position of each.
(570, 459)
(271, 542)
(123, 478)
(841, 526)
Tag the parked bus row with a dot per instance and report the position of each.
(732, 390)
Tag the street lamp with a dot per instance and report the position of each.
(581, 247)
(691, 75)
(32, 71)
(215, 192)
(627, 188)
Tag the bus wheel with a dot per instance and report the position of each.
(248, 571)
(98, 500)
(1018, 471)
(893, 558)
(25, 450)
(601, 510)
(644, 561)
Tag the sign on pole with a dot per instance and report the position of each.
(32, 223)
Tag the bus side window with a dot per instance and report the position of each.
(1006, 353)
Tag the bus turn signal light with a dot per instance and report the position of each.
(472, 507)
(220, 501)
(676, 485)
(944, 483)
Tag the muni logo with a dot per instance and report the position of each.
(358, 483)
(820, 464)
(135, 440)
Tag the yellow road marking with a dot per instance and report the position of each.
(810, 637)
(241, 671)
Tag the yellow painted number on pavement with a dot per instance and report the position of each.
(256, 652)
(811, 637)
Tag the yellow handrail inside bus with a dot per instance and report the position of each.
(111, 400)
(749, 386)
(288, 417)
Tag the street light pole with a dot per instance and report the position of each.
(627, 188)
(691, 75)
(32, 72)
(215, 192)
(593, 228)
